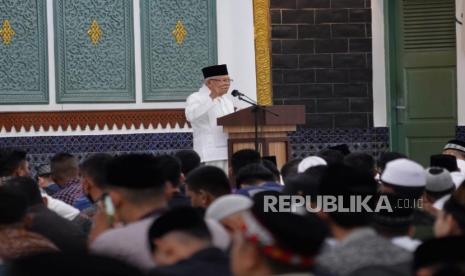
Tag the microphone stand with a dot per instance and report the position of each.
(256, 108)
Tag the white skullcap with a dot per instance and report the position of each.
(404, 172)
(227, 205)
(220, 237)
(311, 161)
(461, 165)
(458, 178)
(439, 204)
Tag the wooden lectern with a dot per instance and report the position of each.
(272, 129)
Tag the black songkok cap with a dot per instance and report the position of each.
(215, 70)
(448, 250)
(455, 145)
(447, 162)
(182, 219)
(343, 148)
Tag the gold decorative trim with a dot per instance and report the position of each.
(6, 32)
(179, 32)
(94, 32)
(262, 26)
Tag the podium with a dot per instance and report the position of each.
(272, 130)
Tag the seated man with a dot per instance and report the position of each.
(44, 179)
(136, 197)
(457, 149)
(65, 173)
(15, 240)
(358, 244)
(396, 225)
(276, 243)
(228, 211)
(255, 178)
(184, 246)
(171, 167)
(14, 163)
(438, 256)
(205, 184)
(66, 235)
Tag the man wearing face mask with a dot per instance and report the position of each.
(202, 111)
(93, 178)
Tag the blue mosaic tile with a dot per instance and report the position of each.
(304, 142)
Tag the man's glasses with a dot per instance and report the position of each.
(223, 80)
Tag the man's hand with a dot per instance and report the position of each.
(101, 223)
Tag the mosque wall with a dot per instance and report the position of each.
(321, 57)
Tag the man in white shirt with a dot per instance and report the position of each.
(202, 111)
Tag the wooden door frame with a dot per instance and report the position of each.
(392, 85)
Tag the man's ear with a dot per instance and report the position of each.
(209, 198)
(205, 198)
(116, 198)
(28, 220)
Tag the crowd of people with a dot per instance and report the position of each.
(148, 214)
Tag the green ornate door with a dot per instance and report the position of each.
(422, 75)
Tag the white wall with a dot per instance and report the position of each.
(235, 47)
(460, 65)
(379, 64)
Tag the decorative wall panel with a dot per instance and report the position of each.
(178, 39)
(74, 120)
(94, 51)
(23, 52)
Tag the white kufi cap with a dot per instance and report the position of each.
(404, 172)
(227, 205)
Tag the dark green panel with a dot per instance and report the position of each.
(422, 75)
(171, 69)
(426, 99)
(23, 53)
(94, 71)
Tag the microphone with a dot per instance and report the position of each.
(236, 93)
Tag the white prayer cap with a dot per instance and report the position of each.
(439, 204)
(227, 205)
(458, 178)
(220, 237)
(461, 165)
(311, 161)
(404, 172)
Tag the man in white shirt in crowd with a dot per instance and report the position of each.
(202, 111)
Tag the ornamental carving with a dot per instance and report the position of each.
(179, 32)
(6, 32)
(86, 73)
(171, 72)
(23, 52)
(94, 32)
